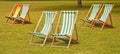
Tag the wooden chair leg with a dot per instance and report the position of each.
(102, 26)
(14, 21)
(23, 22)
(69, 42)
(28, 17)
(92, 25)
(44, 41)
(38, 44)
(110, 20)
(53, 42)
(7, 20)
(31, 40)
(76, 32)
(53, 45)
(83, 24)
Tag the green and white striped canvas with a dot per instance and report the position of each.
(49, 18)
(68, 21)
(25, 10)
(106, 12)
(94, 11)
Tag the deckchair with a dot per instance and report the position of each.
(93, 13)
(49, 18)
(14, 12)
(23, 15)
(68, 24)
(102, 20)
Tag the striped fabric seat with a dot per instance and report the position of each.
(107, 10)
(18, 8)
(24, 12)
(49, 17)
(15, 12)
(68, 21)
(94, 11)
(66, 29)
(102, 20)
(38, 34)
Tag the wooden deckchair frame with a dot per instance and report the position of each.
(25, 19)
(69, 38)
(11, 12)
(88, 14)
(9, 17)
(37, 27)
(104, 23)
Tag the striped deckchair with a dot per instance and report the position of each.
(106, 13)
(23, 15)
(93, 13)
(49, 18)
(15, 12)
(67, 27)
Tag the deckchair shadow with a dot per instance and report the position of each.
(68, 24)
(44, 33)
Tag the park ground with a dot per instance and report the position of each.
(14, 39)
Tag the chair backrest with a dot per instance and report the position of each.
(25, 10)
(106, 12)
(49, 18)
(18, 8)
(95, 10)
(68, 21)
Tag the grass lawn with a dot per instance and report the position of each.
(14, 39)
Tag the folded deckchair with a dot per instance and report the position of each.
(102, 20)
(49, 18)
(93, 13)
(67, 27)
(15, 12)
(24, 13)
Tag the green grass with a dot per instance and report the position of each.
(14, 39)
